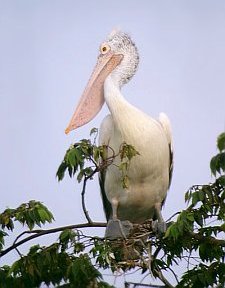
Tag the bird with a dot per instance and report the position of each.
(149, 172)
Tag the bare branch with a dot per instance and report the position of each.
(83, 194)
(163, 279)
(127, 284)
(177, 213)
(40, 232)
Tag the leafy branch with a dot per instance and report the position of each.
(85, 159)
(196, 235)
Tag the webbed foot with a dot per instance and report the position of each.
(159, 227)
(118, 229)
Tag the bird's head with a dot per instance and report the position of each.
(118, 58)
(120, 43)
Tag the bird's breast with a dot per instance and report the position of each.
(147, 173)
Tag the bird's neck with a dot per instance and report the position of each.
(113, 96)
(121, 110)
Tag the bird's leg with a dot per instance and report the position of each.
(116, 228)
(115, 204)
(160, 224)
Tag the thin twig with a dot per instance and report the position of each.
(163, 279)
(172, 216)
(157, 251)
(83, 201)
(86, 178)
(104, 165)
(143, 285)
(27, 232)
(20, 254)
(39, 233)
(174, 274)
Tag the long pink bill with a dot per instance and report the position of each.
(92, 98)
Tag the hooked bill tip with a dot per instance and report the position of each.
(67, 130)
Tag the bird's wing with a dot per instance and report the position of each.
(165, 122)
(105, 132)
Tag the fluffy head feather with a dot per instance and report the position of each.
(121, 43)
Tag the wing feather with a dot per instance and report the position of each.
(165, 122)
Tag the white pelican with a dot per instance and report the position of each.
(150, 172)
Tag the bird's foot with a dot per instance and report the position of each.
(159, 227)
(118, 229)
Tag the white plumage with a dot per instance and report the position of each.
(150, 172)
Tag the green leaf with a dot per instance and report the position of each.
(195, 198)
(221, 142)
(202, 251)
(187, 196)
(222, 161)
(43, 215)
(123, 166)
(125, 182)
(223, 227)
(80, 176)
(172, 231)
(214, 165)
(65, 235)
(103, 152)
(2, 240)
(71, 158)
(30, 223)
(61, 171)
(71, 171)
(190, 216)
(88, 171)
(209, 193)
(201, 195)
(82, 272)
(221, 180)
(14, 267)
(47, 215)
(34, 249)
(128, 151)
(218, 163)
(198, 218)
(78, 247)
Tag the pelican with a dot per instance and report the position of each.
(150, 172)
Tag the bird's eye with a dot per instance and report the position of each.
(105, 48)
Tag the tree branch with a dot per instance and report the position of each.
(143, 285)
(83, 200)
(210, 239)
(42, 232)
(163, 279)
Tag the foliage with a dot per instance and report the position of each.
(74, 259)
(53, 265)
(28, 214)
(85, 159)
(200, 229)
